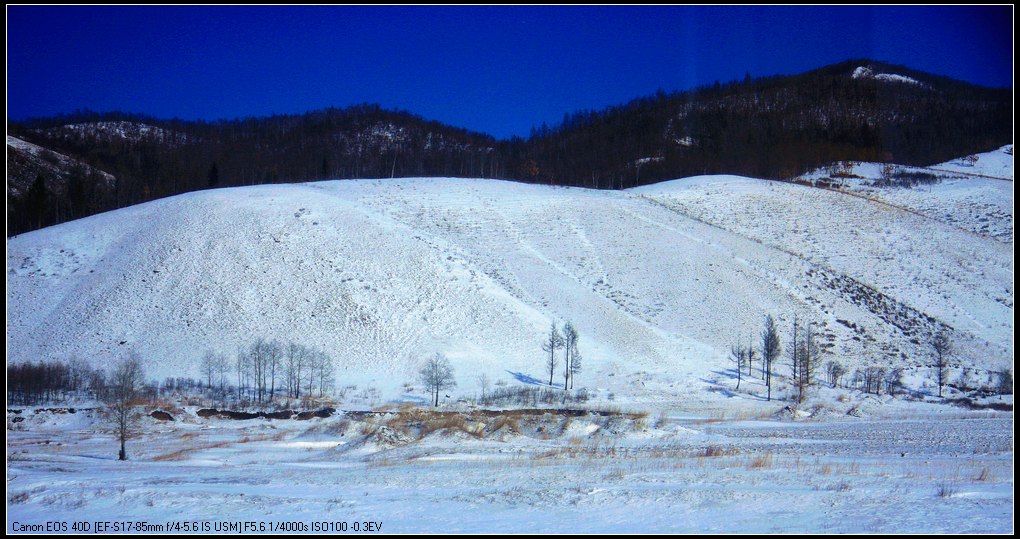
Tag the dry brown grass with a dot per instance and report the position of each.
(164, 405)
(510, 422)
(852, 468)
(430, 425)
(339, 428)
(716, 451)
(765, 460)
(398, 423)
(578, 448)
(452, 423)
(721, 416)
(274, 437)
(186, 452)
(670, 453)
(419, 422)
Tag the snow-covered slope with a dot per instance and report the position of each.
(995, 164)
(973, 193)
(25, 160)
(660, 281)
(903, 267)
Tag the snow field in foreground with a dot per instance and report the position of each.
(925, 471)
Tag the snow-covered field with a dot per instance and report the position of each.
(660, 282)
(903, 469)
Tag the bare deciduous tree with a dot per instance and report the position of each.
(795, 346)
(750, 356)
(222, 367)
(554, 343)
(208, 367)
(770, 349)
(965, 381)
(274, 358)
(575, 363)
(942, 345)
(324, 371)
(436, 376)
(571, 357)
(807, 359)
(483, 382)
(1005, 385)
(297, 362)
(894, 381)
(122, 398)
(257, 364)
(835, 372)
(872, 377)
(738, 354)
(242, 368)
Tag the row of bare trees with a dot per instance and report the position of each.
(806, 359)
(268, 368)
(771, 347)
(806, 355)
(259, 366)
(45, 381)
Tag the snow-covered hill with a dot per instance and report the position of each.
(26, 160)
(973, 193)
(660, 281)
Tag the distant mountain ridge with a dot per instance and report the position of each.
(774, 127)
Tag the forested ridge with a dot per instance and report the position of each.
(772, 127)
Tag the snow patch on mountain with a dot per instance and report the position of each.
(865, 72)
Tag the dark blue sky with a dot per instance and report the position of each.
(500, 70)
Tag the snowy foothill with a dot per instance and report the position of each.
(660, 282)
(973, 193)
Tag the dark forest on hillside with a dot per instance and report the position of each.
(775, 127)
